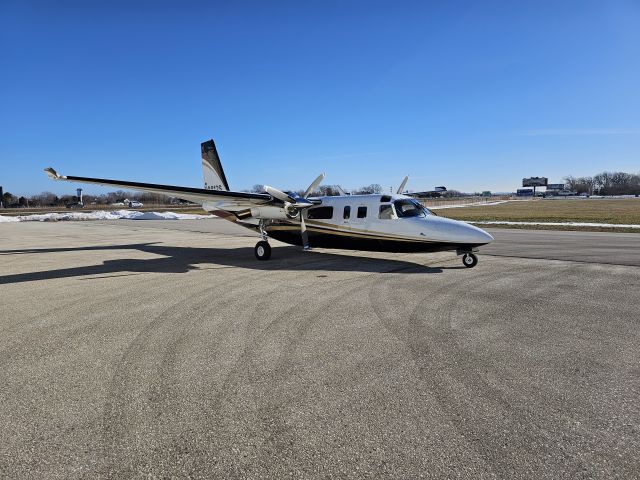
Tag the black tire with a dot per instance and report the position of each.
(262, 250)
(469, 260)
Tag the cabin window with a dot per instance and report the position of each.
(346, 214)
(386, 212)
(385, 198)
(320, 213)
(362, 212)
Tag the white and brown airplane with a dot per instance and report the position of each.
(391, 223)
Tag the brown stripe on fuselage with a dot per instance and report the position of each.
(350, 233)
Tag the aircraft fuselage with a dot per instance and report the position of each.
(373, 223)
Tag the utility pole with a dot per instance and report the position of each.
(1, 195)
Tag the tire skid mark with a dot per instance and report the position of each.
(58, 335)
(272, 417)
(263, 412)
(120, 450)
(137, 409)
(483, 396)
(124, 379)
(248, 371)
(430, 346)
(150, 341)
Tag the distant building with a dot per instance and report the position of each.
(558, 190)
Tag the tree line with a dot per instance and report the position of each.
(606, 183)
(327, 190)
(50, 199)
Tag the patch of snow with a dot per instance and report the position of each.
(103, 215)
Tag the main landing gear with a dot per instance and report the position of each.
(469, 260)
(262, 249)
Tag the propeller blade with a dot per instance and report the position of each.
(280, 195)
(403, 184)
(303, 232)
(313, 185)
(294, 201)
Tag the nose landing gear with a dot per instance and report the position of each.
(469, 260)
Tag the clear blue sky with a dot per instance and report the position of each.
(471, 95)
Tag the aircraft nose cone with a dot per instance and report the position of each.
(486, 235)
(467, 233)
(478, 235)
(456, 231)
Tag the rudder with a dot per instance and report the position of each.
(214, 177)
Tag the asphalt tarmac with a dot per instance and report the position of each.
(164, 349)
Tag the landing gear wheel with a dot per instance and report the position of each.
(262, 250)
(469, 260)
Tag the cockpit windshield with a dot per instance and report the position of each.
(410, 208)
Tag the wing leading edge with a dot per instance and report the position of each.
(231, 200)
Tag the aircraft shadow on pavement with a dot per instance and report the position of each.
(184, 259)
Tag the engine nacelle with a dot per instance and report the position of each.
(269, 213)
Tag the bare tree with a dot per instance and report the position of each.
(8, 199)
(606, 183)
(45, 199)
(369, 189)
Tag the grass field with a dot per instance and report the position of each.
(617, 211)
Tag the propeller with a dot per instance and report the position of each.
(296, 202)
(313, 186)
(303, 232)
(294, 206)
(403, 184)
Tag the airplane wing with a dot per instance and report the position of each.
(223, 200)
(436, 192)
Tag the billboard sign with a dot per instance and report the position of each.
(535, 182)
(555, 186)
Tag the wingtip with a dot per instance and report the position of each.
(52, 173)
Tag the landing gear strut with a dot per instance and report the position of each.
(262, 249)
(469, 260)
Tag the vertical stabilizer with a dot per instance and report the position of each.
(214, 178)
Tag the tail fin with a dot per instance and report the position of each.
(214, 178)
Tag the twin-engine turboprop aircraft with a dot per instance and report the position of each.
(391, 223)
